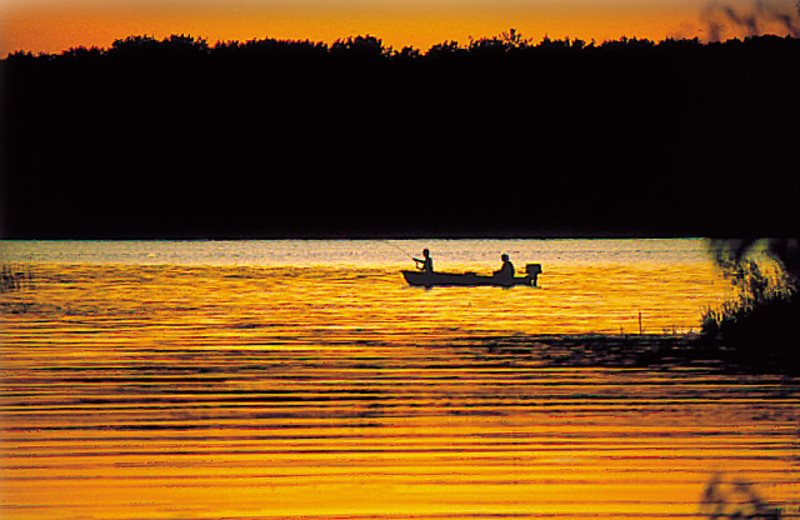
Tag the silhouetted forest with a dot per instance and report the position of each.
(502, 136)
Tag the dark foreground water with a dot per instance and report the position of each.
(304, 380)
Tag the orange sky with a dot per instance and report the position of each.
(56, 25)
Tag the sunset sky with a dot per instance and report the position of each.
(56, 25)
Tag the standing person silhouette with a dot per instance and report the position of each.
(427, 262)
(506, 272)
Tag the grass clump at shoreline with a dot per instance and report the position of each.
(761, 324)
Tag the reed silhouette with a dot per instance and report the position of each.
(272, 138)
(761, 324)
(735, 499)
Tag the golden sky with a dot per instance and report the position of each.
(56, 25)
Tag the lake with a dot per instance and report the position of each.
(304, 379)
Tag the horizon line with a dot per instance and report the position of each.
(510, 39)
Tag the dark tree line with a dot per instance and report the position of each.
(503, 136)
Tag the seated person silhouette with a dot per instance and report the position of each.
(427, 262)
(506, 272)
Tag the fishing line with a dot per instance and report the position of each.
(397, 247)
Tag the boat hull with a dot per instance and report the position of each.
(420, 278)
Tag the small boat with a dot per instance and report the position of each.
(470, 279)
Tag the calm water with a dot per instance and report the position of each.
(303, 379)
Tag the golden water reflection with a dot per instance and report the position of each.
(258, 392)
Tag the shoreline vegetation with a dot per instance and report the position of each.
(761, 324)
(368, 47)
(502, 136)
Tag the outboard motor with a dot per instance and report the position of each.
(533, 271)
